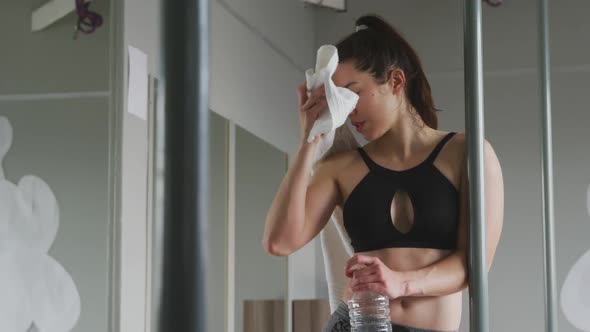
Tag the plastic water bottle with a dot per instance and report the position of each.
(369, 312)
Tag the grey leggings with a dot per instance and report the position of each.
(340, 322)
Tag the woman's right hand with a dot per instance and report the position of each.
(309, 109)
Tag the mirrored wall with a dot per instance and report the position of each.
(247, 286)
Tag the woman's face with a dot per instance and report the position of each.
(377, 105)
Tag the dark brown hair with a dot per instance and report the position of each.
(377, 48)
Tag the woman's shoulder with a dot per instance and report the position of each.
(460, 142)
(456, 144)
(339, 160)
(458, 147)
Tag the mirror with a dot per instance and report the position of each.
(217, 274)
(240, 270)
(260, 279)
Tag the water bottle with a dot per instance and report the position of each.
(369, 312)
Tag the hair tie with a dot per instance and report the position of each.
(361, 27)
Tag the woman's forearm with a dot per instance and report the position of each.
(445, 277)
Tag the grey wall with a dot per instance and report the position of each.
(512, 126)
(50, 60)
(64, 143)
(143, 30)
(62, 137)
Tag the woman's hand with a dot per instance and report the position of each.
(369, 273)
(309, 109)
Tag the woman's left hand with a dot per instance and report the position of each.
(375, 276)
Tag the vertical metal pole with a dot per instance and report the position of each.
(186, 79)
(474, 122)
(547, 170)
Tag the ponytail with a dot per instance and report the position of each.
(377, 47)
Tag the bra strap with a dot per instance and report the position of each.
(370, 163)
(439, 146)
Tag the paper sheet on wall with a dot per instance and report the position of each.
(137, 91)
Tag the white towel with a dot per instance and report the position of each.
(341, 101)
(334, 240)
(336, 250)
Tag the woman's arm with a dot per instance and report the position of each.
(448, 275)
(301, 208)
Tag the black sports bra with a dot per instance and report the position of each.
(429, 199)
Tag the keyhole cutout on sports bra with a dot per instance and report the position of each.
(402, 212)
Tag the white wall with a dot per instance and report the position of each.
(141, 29)
(511, 89)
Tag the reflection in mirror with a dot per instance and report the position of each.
(260, 279)
(218, 222)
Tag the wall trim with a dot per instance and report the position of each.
(231, 227)
(116, 110)
(58, 95)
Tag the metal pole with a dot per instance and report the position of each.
(186, 79)
(474, 122)
(547, 171)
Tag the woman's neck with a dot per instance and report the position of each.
(407, 135)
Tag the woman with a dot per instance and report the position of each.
(403, 195)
